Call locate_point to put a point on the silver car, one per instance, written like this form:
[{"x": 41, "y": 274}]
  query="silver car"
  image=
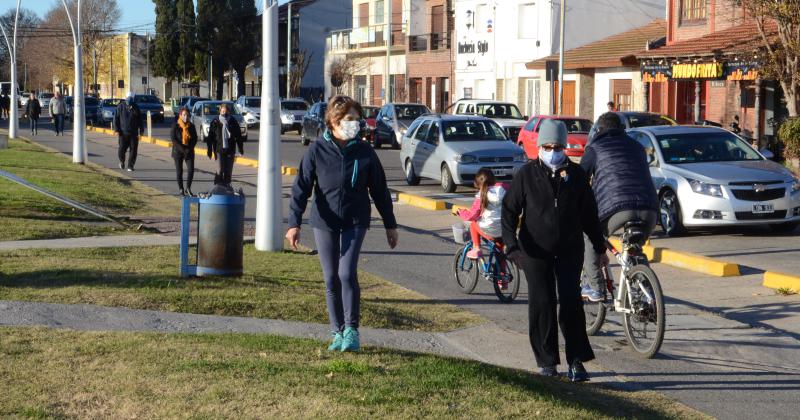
[
  {"x": 292, "y": 112},
  {"x": 708, "y": 176},
  {"x": 206, "y": 111},
  {"x": 250, "y": 108},
  {"x": 452, "y": 148}
]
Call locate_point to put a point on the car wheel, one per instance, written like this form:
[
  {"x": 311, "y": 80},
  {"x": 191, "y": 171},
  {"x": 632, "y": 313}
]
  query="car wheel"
[
  {"x": 376, "y": 140},
  {"x": 784, "y": 227},
  {"x": 283, "y": 131},
  {"x": 411, "y": 175},
  {"x": 395, "y": 144},
  {"x": 303, "y": 138},
  {"x": 448, "y": 185},
  {"x": 299, "y": 131},
  {"x": 670, "y": 215}
]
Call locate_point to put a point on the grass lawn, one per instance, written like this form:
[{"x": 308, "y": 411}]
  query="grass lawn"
[
  {"x": 61, "y": 373},
  {"x": 26, "y": 214},
  {"x": 285, "y": 286}
]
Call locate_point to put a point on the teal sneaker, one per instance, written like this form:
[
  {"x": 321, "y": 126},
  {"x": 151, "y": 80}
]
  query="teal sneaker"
[
  {"x": 350, "y": 340},
  {"x": 337, "y": 342}
]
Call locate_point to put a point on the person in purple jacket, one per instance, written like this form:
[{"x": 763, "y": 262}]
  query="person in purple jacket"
[{"x": 343, "y": 172}]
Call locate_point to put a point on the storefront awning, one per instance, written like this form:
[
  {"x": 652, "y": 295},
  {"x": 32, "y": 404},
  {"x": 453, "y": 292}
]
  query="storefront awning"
[
  {"x": 615, "y": 51},
  {"x": 734, "y": 40}
]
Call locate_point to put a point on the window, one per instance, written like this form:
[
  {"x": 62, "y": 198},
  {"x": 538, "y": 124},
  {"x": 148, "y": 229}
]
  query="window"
[
  {"x": 693, "y": 10},
  {"x": 379, "y": 11},
  {"x": 645, "y": 141},
  {"x": 531, "y": 124},
  {"x": 705, "y": 147},
  {"x": 422, "y": 132},
  {"x": 433, "y": 134},
  {"x": 526, "y": 21},
  {"x": 473, "y": 130}
]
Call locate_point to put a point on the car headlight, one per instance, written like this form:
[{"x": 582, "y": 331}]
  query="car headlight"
[
  {"x": 795, "y": 185},
  {"x": 522, "y": 157},
  {"x": 714, "y": 190},
  {"x": 466, "y": 159}
]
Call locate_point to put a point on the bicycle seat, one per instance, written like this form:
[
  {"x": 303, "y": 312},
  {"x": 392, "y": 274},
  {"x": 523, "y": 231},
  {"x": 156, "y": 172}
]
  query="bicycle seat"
[{"x": 634, "y": 232}]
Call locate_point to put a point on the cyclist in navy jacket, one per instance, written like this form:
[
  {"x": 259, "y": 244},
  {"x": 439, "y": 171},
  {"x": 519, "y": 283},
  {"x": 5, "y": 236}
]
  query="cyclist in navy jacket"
[{"x": 343, "y": 173}]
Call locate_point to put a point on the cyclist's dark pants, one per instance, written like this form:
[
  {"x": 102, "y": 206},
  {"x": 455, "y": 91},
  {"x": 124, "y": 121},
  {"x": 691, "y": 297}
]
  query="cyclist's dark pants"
[
  {"x": 550, "y": 281},
  {"x": 591, "y": 272}
]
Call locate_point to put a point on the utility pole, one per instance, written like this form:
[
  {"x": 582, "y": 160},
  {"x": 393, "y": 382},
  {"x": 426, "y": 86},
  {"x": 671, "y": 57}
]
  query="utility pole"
[
  {"x": 289, "y": 50},
  {"x": 386, "y": 73},
  {"x": 269, "y": 207},
  {"x": 111, "y": 81},
  {"x": 13, "y": 123},
  {"x": 210, "y": 70},
  {"x": 561, "y": 57},
  {"x": 79, "y": 154},
  {"x": 147, "y": 47},
  {"x": 94, "y": 60}
]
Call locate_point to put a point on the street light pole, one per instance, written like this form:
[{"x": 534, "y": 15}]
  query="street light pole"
[
  {"x": 79, "y": 154},
  {"x": 289, "y": 51},
  {"x": 12, "y": 52},
  {"x": 269, "y": 208},
  {"x": 387, "y": 71},
  {"x": 561, "y": 57}
]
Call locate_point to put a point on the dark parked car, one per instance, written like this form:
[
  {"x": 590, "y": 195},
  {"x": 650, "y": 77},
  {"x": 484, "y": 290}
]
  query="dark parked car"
[
  {"x": 313, "y": 123},
  {"x": 92, "y": 106},
  {"x": 393, "y": 120},
  {"x": 636, "y": 120},
  {"x": 150, "y": 103}
]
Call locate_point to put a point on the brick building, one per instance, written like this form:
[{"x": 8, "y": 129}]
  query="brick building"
[{"x": 429, "y": 58}]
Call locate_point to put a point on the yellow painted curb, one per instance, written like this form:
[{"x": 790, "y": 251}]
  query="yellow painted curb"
[
  {"x": 421, "y": 202},
  {"x": 696, "y": 263},
  {"x": 288, "y": 170},
  {"x": 247, "y": 162},
  {"x": 775, "y": 280}
]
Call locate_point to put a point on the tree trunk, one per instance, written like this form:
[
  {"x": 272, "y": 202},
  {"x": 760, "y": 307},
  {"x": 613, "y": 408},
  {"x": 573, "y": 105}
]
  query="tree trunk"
[
  {"x": 241, "y": 85},
  {"x": 220, "y": 83}
]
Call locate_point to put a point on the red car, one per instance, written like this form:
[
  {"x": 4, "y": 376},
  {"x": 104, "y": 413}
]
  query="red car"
[
  {"x": 577, "y": 135},
  {"x": 369, "y": 117}
]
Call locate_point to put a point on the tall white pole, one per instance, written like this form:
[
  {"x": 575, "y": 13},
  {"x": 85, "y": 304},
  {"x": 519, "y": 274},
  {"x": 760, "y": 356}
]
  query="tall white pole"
[
  {"x": 269, "y": 207},
  {"x": 387, "y": 87},
  {"x": 561, "y": 57},
  {"x": 13, "y": 124},
  {"x": 289, "y": 51},
  {"x": 79, "y": 154}
]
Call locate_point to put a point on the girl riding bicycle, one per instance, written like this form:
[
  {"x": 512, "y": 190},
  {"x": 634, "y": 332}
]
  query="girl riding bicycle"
[{"x": 484, "y": 215}]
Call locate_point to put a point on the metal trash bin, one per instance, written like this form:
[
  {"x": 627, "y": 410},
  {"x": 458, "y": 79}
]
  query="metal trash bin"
[{"x": 220, "y": 233}]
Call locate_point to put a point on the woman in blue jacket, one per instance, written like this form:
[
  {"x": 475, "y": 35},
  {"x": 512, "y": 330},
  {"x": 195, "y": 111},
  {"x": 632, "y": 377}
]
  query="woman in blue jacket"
[{"x": 343, "y": 173}]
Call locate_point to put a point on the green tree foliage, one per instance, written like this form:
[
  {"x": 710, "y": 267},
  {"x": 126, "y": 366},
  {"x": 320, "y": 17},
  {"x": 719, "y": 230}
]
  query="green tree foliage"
[
  {"x": 187, "y": 38},
  {"x": 165, "y": 48}
]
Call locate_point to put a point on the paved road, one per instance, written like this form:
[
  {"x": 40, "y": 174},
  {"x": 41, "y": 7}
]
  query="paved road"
[{"x": 731, "y": 347}]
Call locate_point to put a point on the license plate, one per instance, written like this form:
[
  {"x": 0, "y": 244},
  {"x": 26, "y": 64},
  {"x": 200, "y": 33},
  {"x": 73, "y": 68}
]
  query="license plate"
[
  {"x": 298, "y": 117},
  {"x": 763, "y": 208},
  {"x": 499, "y": 172}
]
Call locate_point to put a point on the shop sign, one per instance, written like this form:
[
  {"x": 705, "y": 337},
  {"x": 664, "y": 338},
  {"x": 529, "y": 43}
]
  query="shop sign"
[
  {"x": 695, "y": 71},
  {"x": 656, "y": 72},
  {"x": 741, "y": 70}
]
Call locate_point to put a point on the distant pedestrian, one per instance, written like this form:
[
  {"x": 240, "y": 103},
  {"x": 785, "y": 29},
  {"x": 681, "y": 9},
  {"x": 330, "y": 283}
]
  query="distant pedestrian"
[
  {"x": 33, "y": 110},
  {"x": 57, "y": 111},
  {"x": 224, "y": 137},
  {"x": 611, "y": 106},
  {"x": 343, "y": 173},
  {"x": 184, "y": 139},
  {"x": 5, "y": 102},
  {"x": 128, "y": 124}
]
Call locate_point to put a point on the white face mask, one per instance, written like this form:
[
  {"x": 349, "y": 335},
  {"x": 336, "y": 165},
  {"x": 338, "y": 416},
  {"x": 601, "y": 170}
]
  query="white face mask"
[
  {"x": 350, "y": 129},
  {"x": 553, "y": 159}
]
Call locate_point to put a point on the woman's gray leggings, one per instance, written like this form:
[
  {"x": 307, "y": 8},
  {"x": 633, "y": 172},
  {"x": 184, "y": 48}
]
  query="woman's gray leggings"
[{"x": 338, "y": 253}]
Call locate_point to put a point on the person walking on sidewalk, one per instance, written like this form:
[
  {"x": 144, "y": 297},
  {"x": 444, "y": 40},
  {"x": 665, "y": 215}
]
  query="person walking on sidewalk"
[
  {"x": 343, "y": 173},
  {"x": 555, "y": 201},
  {"x": 224, "y": 137},
  {"x": 57, "y": 111},
  {"x": 184, "y": 139},
  {"x": 33, "y": 110},
  {"x": 128, "y": 124},
  {"x": 5, "y": 103}
]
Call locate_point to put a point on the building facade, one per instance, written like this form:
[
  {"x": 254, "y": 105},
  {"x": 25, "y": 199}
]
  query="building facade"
[{"x": 429, "y": 56}]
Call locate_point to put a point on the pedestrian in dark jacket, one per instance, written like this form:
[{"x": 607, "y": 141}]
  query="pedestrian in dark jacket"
[
  {"x": 5, "y": 103},
  {"x": 128, "y": 125},
  {"x": 623, "y": 189},
  {"x": 58, "y": 109},
  {"x": 184, "y": 139},
  {"x": 343, "y": 173},
  {"x": 224, "y": 137},
  {"x": 553, "y": 197},
  {"x": 33, "y": 110}
]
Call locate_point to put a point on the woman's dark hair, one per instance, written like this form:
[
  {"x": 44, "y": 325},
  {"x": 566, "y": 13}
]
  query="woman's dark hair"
[
  {"x": 483, "y": 180},
  {"x": 338, "y": 107}
]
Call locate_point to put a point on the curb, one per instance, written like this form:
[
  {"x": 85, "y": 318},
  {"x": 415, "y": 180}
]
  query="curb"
[
  {"x": 421, "y": 202},
  {"x": 776, "y": 280},
  {"x": 687, "y": 261}
]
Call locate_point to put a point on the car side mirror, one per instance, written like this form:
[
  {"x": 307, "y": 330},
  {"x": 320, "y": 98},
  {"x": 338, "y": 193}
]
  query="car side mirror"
[{"x": 767, "y": 154}]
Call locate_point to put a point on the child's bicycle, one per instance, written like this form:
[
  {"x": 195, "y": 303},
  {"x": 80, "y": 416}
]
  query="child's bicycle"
[{"x": 492, "y": 266}]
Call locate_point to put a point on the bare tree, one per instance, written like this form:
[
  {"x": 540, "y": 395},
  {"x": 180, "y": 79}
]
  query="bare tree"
[
  {"x": 342, "y": 70},
  {"x": 299, "y": 68},
  {"x": 778, "y": 23}
]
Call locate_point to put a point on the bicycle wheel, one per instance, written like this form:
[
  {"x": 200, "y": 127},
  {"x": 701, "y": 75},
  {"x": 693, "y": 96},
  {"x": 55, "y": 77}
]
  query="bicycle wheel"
[
  {"x": 506, "y": 286},
  {"x": 465, "y": 271},
  {"x": 644, "y": 327},
  {"x": 595, "y": 313}
]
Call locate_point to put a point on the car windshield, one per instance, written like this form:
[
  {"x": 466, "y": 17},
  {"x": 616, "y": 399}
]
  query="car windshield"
[
  {"x": 472, "y": 131},
  {"x": 252, "y": 102},
  {"x": 46, "y": 95},
  {"x": 499, "y": 111},
  {"x": 370, "y": 112},
  {"x": 213, "y": 108},
  {"x": 111, "y": 102},
  {"x": 577, "y": 125},
  {"x": 410, "y": 112},
  {"x": 292, "y": 106},
  {"x": 647, "y": 120},
  {"x": 146, "y": 99},
  {"x": 185, "y": 100},
  {"x": 705, "y": 147}
]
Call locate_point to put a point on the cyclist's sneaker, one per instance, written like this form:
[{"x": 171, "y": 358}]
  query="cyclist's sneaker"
[
  {"x": 591, "y": 294},
  {"x": 577, "y": 373},
  {"x": 350, "y": 341},
  {"x": 548, "y": 371},
  {"x": 337, "y": 341},
  {"x": 474, "y": 253}
]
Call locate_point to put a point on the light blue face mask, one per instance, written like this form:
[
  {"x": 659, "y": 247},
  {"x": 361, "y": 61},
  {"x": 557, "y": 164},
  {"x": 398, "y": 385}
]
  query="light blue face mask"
[{"x": 553, "y": 159}]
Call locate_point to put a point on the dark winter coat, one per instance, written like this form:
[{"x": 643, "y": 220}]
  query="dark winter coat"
[
  {"x": 214, "y": 139},
  {"x": 179, "y": 151},
  {"x": 342, "y": 180},
  {"x": 33, "y": 109},
  {"x": 556, "y": 210},
  {"x": 128, "y": 119},
  {"x": 617, "y": 165}
]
